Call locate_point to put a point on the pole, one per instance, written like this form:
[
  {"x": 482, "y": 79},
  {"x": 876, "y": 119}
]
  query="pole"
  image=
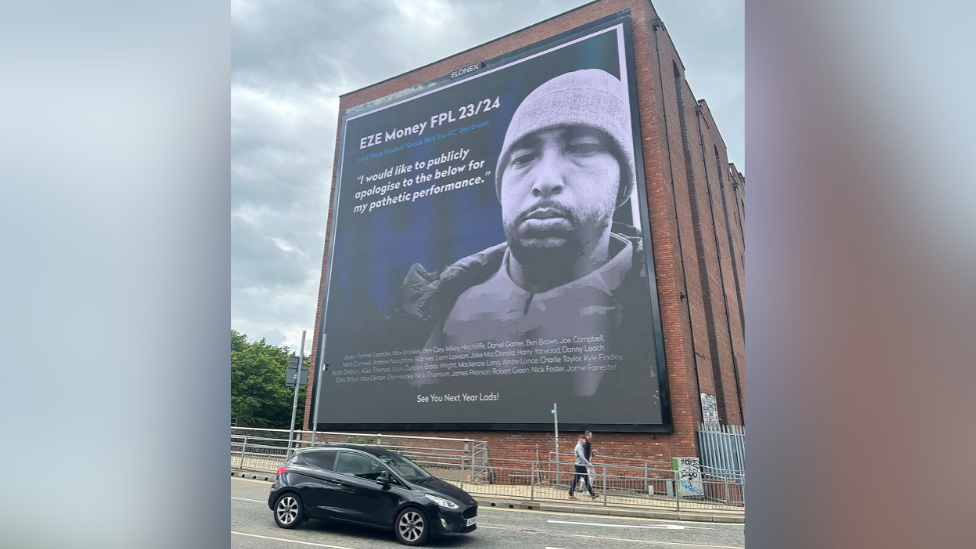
[
  {"x": 539, "y": 461},
  {"x": 555, "y": 418},
  {"x": 645, "y": 478},
  {"x": 532, "y": 483},
  {"x": 604, "y": 485},
  {"x": 243, "y": 449},
  {"x": 317, "y": 393},
  {"x": 677, "y": 490},
  {"x": 294, "y": 403}
]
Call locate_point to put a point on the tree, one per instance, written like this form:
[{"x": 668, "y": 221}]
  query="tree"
[{"x": 258, "y": 395}]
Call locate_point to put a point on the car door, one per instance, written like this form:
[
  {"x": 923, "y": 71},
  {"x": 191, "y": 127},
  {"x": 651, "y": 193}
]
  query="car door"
[
  {"x": 359, "y": 496},
  {"x": 318, "y": 492}
]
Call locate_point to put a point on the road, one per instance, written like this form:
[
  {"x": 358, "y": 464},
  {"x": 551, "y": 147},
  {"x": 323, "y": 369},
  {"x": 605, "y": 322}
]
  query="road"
[{"x": 253, "y": 527}]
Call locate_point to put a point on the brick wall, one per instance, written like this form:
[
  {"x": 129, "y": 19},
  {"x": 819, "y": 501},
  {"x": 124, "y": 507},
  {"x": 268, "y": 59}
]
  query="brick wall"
[
  {"x": 736, "y": 209},
  {"x": 691, "y": 279}
]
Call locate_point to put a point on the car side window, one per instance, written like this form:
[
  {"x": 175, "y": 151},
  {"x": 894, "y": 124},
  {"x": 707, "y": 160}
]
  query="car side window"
[
  {"x": 358, "y": 465},
  {"x": 323, "y": 459}
]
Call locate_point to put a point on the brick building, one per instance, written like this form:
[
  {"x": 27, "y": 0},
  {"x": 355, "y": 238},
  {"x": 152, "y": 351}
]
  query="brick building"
[{"x": 696, "y": 207}]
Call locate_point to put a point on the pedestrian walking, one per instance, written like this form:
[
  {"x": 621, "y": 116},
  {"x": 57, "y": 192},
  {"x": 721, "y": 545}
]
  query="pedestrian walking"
[
  {"x": 591, "y": 470},
  {"x": 588, "y": 453},
  {"x": 581, "y": 465}
]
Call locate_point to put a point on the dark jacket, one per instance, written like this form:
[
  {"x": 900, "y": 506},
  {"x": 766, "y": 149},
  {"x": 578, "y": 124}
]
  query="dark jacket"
[{"x": 426, "y": 298}]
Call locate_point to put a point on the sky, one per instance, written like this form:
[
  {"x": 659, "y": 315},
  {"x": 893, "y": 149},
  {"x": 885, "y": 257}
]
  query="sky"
[{"x": 290, "y": 61}]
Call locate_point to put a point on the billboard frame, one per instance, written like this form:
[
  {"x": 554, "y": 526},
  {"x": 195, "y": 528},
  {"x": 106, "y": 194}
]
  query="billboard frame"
[{"x": 622, "y": 18}]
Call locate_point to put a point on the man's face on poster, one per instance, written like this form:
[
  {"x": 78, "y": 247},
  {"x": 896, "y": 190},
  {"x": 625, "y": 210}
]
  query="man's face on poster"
[{"x": 558, "y": 192}]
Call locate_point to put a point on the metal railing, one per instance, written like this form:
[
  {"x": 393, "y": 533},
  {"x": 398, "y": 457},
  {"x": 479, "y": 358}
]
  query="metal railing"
[
  {"x": 618, "y": 460},
  {"x": 723, "y": 447},
  {"x": 614, "y": 484},
  {"x": 661, "y": 463},
  {"x": 723, "y": 453},
  {"x": 466, "y": 464},
  {"x": 266, "y": 449}
]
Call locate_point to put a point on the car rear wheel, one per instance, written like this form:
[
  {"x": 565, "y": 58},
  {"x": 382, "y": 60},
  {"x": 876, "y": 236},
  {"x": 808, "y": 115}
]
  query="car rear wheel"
[
  {"x": 289, "y": 511},
  {"x": 412, "y": 527}
]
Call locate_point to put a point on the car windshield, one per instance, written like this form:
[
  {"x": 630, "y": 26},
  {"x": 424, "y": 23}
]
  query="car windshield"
[{"x": 404, "y": 467}]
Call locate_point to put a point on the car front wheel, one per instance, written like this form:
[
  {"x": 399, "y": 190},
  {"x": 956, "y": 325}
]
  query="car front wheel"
[
  {"x": 288, "y": 511},
  {"x": 412, "y": 527}
]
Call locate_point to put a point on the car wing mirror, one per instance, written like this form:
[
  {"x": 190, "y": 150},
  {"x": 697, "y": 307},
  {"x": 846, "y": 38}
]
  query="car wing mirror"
[{"x": 384, "y": 478}]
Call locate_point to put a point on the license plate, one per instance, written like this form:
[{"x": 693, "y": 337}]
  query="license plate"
[{"x": 471, "y": 521}]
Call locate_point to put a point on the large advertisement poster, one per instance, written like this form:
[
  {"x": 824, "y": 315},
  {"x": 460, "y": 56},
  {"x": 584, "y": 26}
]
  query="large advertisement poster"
[{"x": 490, "y": 252}]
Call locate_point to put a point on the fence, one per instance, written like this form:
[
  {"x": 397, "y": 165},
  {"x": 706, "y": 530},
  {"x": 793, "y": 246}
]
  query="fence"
[
  {"x": 634, "y": 485},
  {"x": 466, "y": 464},
  {"x": 661, "y": 462},
  {"x": 723, "y": 447},
  {"x": 723, "y": 453},
  {"x": 266, "y": 449}
]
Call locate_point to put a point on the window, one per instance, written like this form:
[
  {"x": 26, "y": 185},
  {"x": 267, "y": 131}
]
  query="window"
[
  {"x": 358, "y": 465},
  {"x": 323, "y": 459},
  {"x": 406, "y": 468}
]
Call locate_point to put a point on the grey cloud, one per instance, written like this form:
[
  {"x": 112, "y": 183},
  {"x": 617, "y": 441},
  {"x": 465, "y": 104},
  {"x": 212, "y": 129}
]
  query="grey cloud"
[
  {"x": 342, "y": 45},
  {"x": 710, "y": 38},
  {"x": 274, "y": 337},
  {"x": 257, "y": 261},
  {"x": 303, "y": 44}
]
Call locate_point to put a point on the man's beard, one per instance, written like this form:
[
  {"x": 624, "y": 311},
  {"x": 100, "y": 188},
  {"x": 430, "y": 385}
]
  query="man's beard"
[{"x": 546, "y": 252}]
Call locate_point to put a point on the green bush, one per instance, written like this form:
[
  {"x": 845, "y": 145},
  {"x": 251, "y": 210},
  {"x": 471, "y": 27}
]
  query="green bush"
[{"x": 360, "y": 440}]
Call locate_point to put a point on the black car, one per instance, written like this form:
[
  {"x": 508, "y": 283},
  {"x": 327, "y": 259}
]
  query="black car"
[{"x": 370, "y": 486}]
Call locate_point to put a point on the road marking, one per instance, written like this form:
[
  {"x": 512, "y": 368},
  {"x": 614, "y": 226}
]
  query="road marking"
[
  {"x": 245, "y": 499},
  {"x": 658, "y": 542},
  {"x": 291, "y": 541},
  {"x": 601, "y": 517},
  {"x": 661, "y": 527},
  {"x": 556, "y": 533}
]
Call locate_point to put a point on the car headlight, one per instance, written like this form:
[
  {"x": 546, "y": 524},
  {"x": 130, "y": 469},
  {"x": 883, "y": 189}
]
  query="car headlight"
[{"x": 445, "y": 503}]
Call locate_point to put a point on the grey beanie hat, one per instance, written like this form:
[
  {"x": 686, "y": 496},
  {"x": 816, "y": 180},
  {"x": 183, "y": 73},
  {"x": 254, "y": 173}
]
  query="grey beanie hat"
[{"x": 589, "y": 97}]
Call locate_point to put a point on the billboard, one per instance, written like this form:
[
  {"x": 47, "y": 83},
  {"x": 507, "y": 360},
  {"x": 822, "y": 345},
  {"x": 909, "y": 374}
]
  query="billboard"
[{"x": 490, "y": 251}]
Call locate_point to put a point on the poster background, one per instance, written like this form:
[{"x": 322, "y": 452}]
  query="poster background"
[{"x": 371, "y": 252}]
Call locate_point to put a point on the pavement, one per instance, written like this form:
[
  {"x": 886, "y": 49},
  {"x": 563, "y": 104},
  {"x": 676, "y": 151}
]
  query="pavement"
[
  {"x": 253, "y": 527},
  {"x": 515, "y": 499}
]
